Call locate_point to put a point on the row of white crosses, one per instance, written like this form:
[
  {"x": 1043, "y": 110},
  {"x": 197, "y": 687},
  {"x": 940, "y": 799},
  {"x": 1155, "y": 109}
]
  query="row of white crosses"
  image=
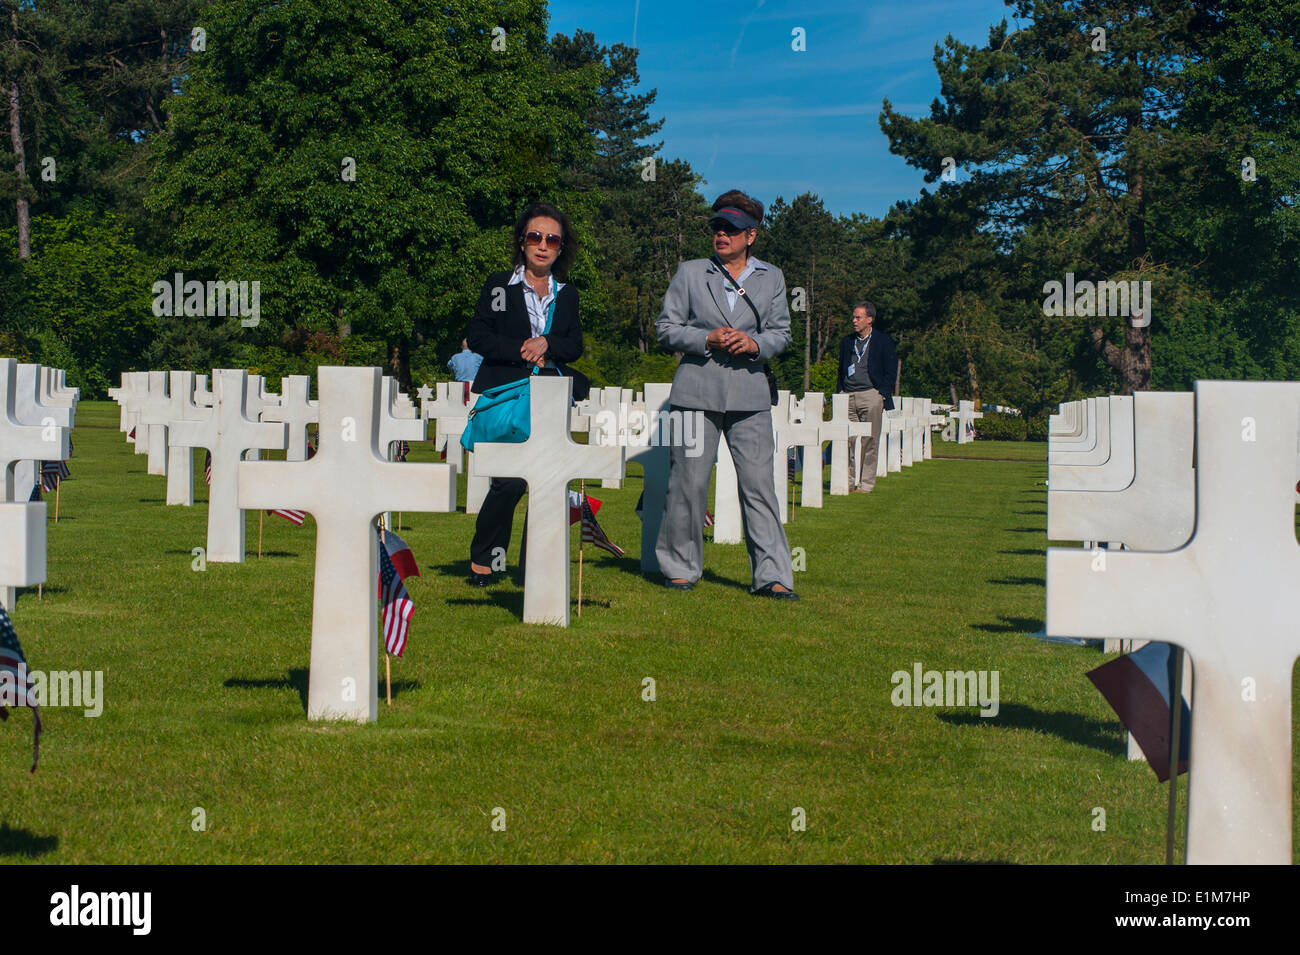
[
  {"x": 1095, "y": 458},
  {"x": 36, "y": 412},
  {"x": 1211, "y": 564}
]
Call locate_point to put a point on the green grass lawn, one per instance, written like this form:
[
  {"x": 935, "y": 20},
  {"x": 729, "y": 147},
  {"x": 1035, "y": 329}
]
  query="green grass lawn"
[{"x": 762, "y": 706}]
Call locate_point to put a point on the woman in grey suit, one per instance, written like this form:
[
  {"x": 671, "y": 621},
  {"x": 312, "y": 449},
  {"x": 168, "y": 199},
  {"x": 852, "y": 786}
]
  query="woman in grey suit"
[{"x": 728, "y": 317}]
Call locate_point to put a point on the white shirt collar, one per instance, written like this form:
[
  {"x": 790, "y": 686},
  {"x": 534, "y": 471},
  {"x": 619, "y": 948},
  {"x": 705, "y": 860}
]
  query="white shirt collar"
[{"x": 517, "y": 276}]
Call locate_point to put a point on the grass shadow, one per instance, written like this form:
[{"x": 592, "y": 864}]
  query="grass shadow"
[
  {"x": 24, "y": 842},
  {"x": 1102, "y": 735},
  {"x": 294, "y": 680},
  {"x": 1018, "y": 581},
  {"x": 275, "y": 553},
  {"x": 1027, "y": 551},
  {"x": 1011, "y": 625},
  {"x": 46, "y": 589}
]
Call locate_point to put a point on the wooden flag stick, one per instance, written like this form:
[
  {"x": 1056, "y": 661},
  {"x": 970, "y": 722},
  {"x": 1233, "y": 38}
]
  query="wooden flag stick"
[
  {"x": 56, "y": 501},
  {"x": 388, "y": 676},
  {"x": 39, "y": 591},
  {"x": 260, "y": 514},
  {"x": 399, "y": 520},
  {"x": 581, "y": 505},
  {"x": 1176, "y": 703}
]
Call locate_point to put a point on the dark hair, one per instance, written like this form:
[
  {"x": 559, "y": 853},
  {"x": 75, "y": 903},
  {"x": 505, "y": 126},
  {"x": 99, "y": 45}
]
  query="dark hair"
[
  {"x": 567, "y": 252},
  {"x": 871, "y": 309},
  {"x": 746, "y": 204}
]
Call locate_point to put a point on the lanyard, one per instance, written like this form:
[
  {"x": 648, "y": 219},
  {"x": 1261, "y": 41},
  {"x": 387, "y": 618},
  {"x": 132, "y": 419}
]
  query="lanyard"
[{"x": 858, "y": 353}]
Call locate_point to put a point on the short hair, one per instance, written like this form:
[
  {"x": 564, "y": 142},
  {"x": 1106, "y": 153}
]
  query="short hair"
[
  {"x": 568, "y": 251},
  {"x": 871, "y": 309},
  {"x": 737, "y": 199}
]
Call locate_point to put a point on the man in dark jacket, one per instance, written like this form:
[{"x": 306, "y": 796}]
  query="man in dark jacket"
[{"x": 868, "y": 367}]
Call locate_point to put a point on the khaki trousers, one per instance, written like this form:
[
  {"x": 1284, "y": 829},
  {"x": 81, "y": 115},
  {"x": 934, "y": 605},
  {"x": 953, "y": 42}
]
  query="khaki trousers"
[{"x": 865, "y": 406}]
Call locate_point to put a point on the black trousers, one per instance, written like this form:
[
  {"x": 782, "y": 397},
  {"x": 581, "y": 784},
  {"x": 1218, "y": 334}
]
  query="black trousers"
[{"x": 496, "y": 520}]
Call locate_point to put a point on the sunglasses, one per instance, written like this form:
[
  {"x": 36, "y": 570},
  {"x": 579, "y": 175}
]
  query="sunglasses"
[
  {"x": 551, "y": 240},
  {"x": 714, "y": 229}
]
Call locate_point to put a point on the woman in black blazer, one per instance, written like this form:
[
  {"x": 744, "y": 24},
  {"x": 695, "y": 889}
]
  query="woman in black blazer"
[{"x": 509, "y": 330}]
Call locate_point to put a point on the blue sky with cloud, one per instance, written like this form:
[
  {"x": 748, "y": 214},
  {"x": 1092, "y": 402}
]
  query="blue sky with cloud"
[{"x": 748, "y": 111}]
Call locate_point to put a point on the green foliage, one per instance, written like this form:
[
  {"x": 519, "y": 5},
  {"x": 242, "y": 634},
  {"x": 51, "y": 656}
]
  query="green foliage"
[
  {"x": 255, "y": 168},
  {"x": 82, "y": 301}
]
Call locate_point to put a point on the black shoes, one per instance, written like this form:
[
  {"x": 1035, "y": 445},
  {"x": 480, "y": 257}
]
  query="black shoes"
[
  {"x": 768, "y": 590},
  {"x": 479, "y": 580}
]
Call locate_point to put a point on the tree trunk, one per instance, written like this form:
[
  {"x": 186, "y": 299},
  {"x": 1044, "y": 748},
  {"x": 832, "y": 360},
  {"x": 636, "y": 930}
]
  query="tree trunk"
[
  {"x": 24, "y": 215},
  {"x": 807, "y": 328}
]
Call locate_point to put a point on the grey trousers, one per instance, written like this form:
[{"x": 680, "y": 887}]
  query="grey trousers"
[
  {"x": 866, "y": 405},
  {"x": 680, "y": 547}
]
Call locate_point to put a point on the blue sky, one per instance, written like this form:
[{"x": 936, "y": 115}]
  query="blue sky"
[{"x": 749, "y": 112}]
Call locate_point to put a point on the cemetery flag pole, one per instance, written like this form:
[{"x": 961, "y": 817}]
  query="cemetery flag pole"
[
  {"x": 582, "y": 503},
  {"x": 1176, "y": 710}
]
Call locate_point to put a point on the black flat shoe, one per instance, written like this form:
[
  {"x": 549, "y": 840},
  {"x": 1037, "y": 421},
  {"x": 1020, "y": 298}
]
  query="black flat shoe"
[
  {"x": 479, "y": 580},
  {"x": 684, "y": 585},
  {"x": 767, "y": 590}
]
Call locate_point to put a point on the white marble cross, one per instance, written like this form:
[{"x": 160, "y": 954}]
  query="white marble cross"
[
  {"x": 1157, "y": 509},
  {"x": 54, "y": 389},
  {"x": 809, "y": 413},
  {"x": 175, "y": 403},
  {"x": 297, "y": 410},
  {"x": 22, "y": 524},
  {"x": 227, "y": 431},
  {"x": 728, "y": 525},
  {"x": 1086, "y": 439},
  {"x": 344, "y": 487},
  {"x": 1229, "y": 597},
  {"x": 1094, "y": 449},
  {"x": 30, "y": 408},
  {"x": 965, "y": 416},
  {"x": 617, "y": 401},
  {"x": 399, "y": 421},
  {"x": 1110, "y": 466},
  {"x": 548, "y": 461},
  {"x": 1068, "y": 423},
  {"x": 655, "y": 458},
  {"x": 787, "y": 433},
  {"x": 853, "y": 432}
]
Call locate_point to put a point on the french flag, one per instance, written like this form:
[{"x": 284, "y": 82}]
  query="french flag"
[
  {"x": 575, "y": 507},
  {"x": 399, "y": 552},
  {"x": 1138, "y": 686}
]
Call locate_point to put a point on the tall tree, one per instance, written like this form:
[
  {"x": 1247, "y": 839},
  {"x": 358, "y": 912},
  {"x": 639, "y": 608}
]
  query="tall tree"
[
  {"x": 1068, "y": 125},
  {"x": 365, "y": 162}
]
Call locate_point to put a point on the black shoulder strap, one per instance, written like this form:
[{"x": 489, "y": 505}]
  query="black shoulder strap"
[{"x": 740, "y": 289}]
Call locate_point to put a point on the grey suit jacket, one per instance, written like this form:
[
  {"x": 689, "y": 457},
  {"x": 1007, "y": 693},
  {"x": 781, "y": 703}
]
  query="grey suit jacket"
[{"x": 694, "y": 305}]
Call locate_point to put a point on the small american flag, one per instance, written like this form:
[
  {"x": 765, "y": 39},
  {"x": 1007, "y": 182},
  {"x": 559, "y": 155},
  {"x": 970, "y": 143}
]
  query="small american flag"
[
  {"x": 398, "y": 450},
  {"x": 53, "y": 472},
  {"x": 131, "y": 435},
  {"x": 311, "y": 449},
  {"x": 207, "y": 466},
  {"x": 397, "y": 604},
  {"x": 289, "y": 514},
  {"x": 592, "y": 534},
  {"x": 15, "y": 682}
]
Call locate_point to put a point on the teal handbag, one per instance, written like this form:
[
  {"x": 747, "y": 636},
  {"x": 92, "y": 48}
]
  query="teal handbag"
[{"x": 503, "y": 415}]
